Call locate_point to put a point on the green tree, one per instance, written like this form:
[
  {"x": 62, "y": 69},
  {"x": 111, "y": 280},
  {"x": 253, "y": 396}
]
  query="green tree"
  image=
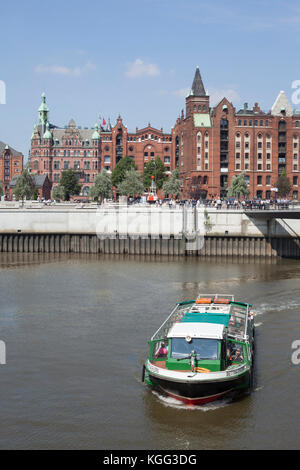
[
  {"x": 1, "y": 189},
  {"x": 118, "y": 174},
  {"x": 25, "y": 185},
  {"x": 283, "y": 184},
  {"x": 58, "y": 192},
  {"x": 70, "y": 183},
  {"x": 154, "y": 168},
  {"x": 172, "y": 185},
  {"x": 131, "y": 184},
  {"x": 102, "y": 186},
  {"x": 239, "y": 186}
]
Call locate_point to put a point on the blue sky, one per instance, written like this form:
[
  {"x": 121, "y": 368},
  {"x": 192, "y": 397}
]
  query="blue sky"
[{"x": 138, "y": 58}]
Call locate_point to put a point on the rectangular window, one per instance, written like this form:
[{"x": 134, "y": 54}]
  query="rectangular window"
[
  {"x": 268, "y": 180},
  {"x": 259, "y": 179},
  {"x": 295, "y": 180}
]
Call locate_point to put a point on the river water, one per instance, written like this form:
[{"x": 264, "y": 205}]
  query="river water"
[{"x": 76, "y": 331}]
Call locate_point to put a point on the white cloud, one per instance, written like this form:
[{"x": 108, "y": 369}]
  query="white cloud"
[
  {"x": 138, "y": 68},
  {"x": 63, "y": 70}
]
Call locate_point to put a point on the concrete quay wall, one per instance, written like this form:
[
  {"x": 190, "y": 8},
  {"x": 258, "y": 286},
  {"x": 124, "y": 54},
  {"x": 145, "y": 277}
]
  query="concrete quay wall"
[{"x": 145, "y": 231}]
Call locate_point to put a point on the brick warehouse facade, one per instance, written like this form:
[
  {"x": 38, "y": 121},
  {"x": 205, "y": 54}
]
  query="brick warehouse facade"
[
  {"x": 11, "y": 165},
  {"x": 88, "y": 151},
  {"x": 209, "y": 145}
]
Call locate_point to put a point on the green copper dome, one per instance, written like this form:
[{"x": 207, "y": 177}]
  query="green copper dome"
[
  {"x": 47, "y": 134},
  {"x": 43, "y": 106},
  {"x": 96, "y": 134}
]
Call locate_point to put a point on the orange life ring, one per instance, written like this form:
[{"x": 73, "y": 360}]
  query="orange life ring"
[
  {"x": 203, "y": 301},
  {"x": 221, "y": 301},
  {"x": 201, "y": 369}
]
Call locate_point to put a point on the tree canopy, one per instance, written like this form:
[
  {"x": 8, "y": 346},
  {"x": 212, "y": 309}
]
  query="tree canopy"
[
  {"x": 131, "y": 184},
  {"x": 283, "y": 184},
  {"x": 102, "y": 186},
  {"x": 118, "y": 174},
  {"x": 239, "y": 186},
  {"x": 24, "y": 186},
  {"x": 154, "y": 168},
  {"x": 58, "y": 192},
  {"x": 1, "y": 189},
  {"x": 69, "y": 181},
  {"x": 172, "y": 185}
]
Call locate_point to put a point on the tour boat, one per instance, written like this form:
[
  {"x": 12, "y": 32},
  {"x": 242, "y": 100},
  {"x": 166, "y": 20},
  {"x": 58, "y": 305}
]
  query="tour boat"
[{"x": 203, "y": 351}]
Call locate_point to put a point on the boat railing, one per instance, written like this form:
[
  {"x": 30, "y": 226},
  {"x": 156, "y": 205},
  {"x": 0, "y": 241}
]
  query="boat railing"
[{"x": 175, "y": 316}]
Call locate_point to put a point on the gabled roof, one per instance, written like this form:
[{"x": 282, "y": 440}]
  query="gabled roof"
[
  {"x": 39, "y": 180},
  {"x": 281, "y": 104},
  {"x": 3, "y": 146}
]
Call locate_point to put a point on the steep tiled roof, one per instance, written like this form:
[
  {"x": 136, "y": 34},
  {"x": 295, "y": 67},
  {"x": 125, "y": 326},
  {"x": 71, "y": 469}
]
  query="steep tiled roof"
[
  {"x": 2, "y": 148},
  {"x": 198, "y": 87}
]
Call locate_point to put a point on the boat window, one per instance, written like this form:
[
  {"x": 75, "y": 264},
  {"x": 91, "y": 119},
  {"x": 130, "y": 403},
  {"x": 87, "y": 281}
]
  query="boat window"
[
  {"x": 237, "y": 322},
  {"x": 235, "y": 352},
  {"x": 160, "y": 349},
  {"x": 204, "y": 348}
]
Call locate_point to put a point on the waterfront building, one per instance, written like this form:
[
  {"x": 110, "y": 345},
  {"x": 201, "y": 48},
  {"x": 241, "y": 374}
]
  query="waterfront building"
[
  {"x": 41, "y": 183},
  {"x": 11, "y": 164},
  {"x": 209, "y": 144},
  {"x": 89, "y": 150},
  {"x": 214, "y": 144}
]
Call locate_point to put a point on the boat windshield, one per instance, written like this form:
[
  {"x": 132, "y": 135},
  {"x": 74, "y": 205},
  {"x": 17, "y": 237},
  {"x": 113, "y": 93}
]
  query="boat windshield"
[{"x": 203, "y": 347}]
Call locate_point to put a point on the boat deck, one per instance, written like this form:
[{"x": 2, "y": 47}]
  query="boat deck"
[{"x": 210, "y": 309}]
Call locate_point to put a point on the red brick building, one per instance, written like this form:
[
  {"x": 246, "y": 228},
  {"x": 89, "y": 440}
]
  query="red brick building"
[
  {"x": 89, "y": 150},
  {"x": 11, "y": 164},
  {"x": 210, "y": 145}
]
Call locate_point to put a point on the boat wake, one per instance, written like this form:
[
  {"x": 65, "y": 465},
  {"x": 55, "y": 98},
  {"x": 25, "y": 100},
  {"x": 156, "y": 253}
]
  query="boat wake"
[
  {"x": 278, "y": 307},
  {"x": 173, "y": 403}
]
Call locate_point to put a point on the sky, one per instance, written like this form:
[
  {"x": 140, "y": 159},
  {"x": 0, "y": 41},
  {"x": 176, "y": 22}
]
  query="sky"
[{"x": 137, "y": 58}]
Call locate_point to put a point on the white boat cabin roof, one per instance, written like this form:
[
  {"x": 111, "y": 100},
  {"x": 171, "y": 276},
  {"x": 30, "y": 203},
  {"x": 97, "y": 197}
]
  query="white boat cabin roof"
[{"x": 197, "y": 330}]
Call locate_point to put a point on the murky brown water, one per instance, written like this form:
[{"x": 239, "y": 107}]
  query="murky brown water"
[{"x": 76, "y": 331}]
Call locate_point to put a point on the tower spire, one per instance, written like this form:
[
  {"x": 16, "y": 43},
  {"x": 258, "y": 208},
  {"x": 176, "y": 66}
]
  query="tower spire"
[
  {"x": 43, "y": 113},
  {"x": 197, "y": 86}
]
